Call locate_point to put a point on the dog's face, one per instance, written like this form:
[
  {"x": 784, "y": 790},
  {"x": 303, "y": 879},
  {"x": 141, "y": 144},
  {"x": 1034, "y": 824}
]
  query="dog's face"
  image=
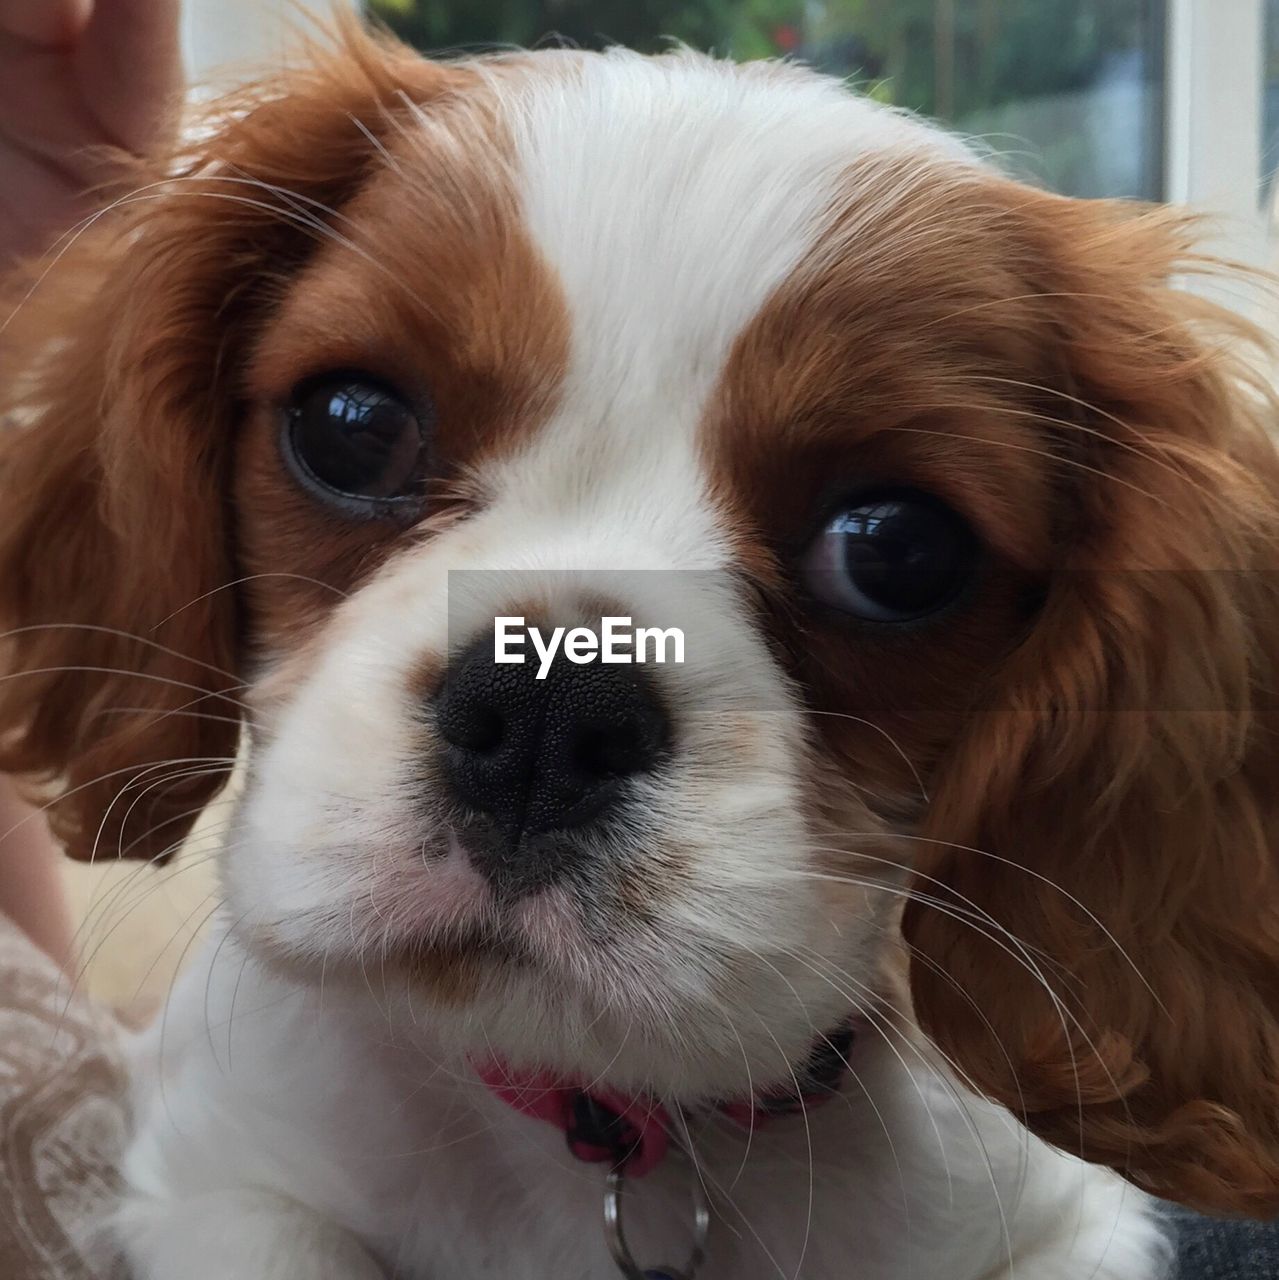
[
  {"x": 604, "y": 349},
  {"x": 965, "y": 528}
]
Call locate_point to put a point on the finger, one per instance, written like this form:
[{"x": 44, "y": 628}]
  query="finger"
[
  {"x": 130, "y": 70},
  {"x": 48, "y": 23}
]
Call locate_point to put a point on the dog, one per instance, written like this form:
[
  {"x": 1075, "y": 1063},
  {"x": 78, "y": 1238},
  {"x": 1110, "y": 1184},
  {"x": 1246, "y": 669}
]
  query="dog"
[{"x": 921, "y": 921}]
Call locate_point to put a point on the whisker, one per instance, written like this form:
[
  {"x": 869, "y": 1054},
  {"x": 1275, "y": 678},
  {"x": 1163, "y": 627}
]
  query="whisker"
[
  {"x": 138, "y": 775},
  {"x": 1014, "y": 948},
  {"x": 149, "y": 676},
  {"x": 172, "y": 711},
  {"x": 131, "y": 636},
  {"x": 1038, "y": 876},
  {"x": 86, "y": 962},
  {"x": 41, "y": 810},
  {"x": 123, "y": 850},
  {"x": 1018, "y": 951},
  {"x": 195, "y": 933},
  {"x": 161, "y": 189},
  {"x": 888, "y": 737},
  {"x": 253, "y": 577},
  {"x": 1046, "y": 454},
  {"x": 887, "y": 1030}
]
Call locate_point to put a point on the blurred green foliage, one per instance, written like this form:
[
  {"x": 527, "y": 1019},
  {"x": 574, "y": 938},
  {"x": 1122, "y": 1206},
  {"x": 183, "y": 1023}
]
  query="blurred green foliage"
[
  {"x": 967, "y": 61},
  {"x": 743, "y": 28},
  {"x": 997, "y": 50},
  {"x": 990, "y": 51}
]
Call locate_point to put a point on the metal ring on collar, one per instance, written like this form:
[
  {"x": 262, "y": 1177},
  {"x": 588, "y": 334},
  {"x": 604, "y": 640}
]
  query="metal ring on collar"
[{"x": 616, "y": 1237}]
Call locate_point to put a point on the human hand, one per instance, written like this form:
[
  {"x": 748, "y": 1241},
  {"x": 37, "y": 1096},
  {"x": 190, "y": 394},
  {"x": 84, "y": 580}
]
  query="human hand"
[{"x": 76, "y": 76}]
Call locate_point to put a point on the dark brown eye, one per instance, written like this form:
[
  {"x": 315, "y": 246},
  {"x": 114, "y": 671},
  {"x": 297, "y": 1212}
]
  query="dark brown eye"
[
  {"x": 354, "y": 442},
  {"x": 894, "y": 557}
]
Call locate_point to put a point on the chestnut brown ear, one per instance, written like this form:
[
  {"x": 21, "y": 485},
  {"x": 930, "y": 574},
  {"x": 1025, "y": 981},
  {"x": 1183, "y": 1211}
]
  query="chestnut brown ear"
[
  {"x": 119, "y": 661},
  {"x": 1104, "y": 959}
]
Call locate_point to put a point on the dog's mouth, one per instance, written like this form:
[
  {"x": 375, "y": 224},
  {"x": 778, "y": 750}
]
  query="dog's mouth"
[
  {"x": 453, "y": 963},
  {"x": 455, "y": 967},
  {"x": 464, "y": 919},
  {"x": 470, "y": 885},
  {"x": 443, "y": 924},
  {"x": 539, "y": 936}
]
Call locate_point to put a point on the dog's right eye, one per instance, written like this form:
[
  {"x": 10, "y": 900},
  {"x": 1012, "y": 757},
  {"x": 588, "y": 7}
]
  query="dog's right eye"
[{"x": 354, "y": 442}]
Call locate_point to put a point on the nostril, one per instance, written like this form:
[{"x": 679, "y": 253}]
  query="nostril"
[
  {"x": 615, "y": 750},
  {"x": 524, "y": 756},
  {"x": 473, "y": 726},
  {"x": 607, "y": 753}
]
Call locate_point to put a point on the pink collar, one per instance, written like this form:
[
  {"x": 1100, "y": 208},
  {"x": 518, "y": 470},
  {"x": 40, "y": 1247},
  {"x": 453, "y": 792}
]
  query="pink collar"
[{"x": 633, "y": 1133}]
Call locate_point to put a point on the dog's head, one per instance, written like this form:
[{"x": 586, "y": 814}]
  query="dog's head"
[{"x": 968, "y": 519}]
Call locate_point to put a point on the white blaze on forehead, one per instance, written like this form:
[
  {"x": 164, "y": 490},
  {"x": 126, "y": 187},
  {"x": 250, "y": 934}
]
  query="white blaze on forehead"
[{"x": 670, "y": 196}]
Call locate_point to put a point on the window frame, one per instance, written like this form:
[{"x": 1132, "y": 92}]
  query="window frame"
[{"x": 1213, "y": 126}]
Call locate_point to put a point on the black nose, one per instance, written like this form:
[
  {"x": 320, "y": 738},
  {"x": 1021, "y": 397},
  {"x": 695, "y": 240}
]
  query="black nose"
[{"x": 538, "y": 756}]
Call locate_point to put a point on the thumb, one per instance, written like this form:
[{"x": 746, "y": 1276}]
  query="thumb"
[{"x": 45, "y": 23}]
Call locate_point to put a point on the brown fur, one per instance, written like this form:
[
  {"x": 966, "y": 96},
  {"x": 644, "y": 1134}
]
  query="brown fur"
[
  {"x": 466, "y": 321},
  {"x": 120, "y": 395},
  {"x": 1096, "y": 728},
  {"x": 1126, "y": 759}
]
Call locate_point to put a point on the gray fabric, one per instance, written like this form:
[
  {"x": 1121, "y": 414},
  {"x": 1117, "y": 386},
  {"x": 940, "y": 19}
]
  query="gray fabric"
[
  {"x": 63, "y": 1119},
  {"x": 1212, "y": 1249}
]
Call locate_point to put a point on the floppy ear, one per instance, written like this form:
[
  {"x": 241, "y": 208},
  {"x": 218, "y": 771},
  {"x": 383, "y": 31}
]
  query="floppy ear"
[
  {"x": 1105, "y": 841},
  {"x": 119, "y": 662}
]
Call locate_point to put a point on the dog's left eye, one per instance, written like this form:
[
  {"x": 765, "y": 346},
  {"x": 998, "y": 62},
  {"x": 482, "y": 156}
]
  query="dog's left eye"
[
  {"x": 894, "y": 557},
  {"x": 356, "y": 443}
]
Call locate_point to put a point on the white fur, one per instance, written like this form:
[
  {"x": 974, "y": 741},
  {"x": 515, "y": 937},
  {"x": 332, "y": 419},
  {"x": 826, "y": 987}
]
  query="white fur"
[
  {"x": 305, "y": 1128},
  {"x": 285, "y": 1114}
]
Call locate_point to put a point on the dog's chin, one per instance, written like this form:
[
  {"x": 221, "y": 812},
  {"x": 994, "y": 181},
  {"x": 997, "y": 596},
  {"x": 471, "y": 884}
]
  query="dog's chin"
[{"x": 538, "y": 995}]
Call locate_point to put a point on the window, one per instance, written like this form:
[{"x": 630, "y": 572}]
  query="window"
[
  {"x": 219, "y": 36},
  {"x": 1161, "y": 99},
  {"x": 1070, "y": 91}
]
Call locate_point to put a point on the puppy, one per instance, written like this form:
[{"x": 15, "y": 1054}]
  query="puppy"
[{"x": 935, "y": 879}]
